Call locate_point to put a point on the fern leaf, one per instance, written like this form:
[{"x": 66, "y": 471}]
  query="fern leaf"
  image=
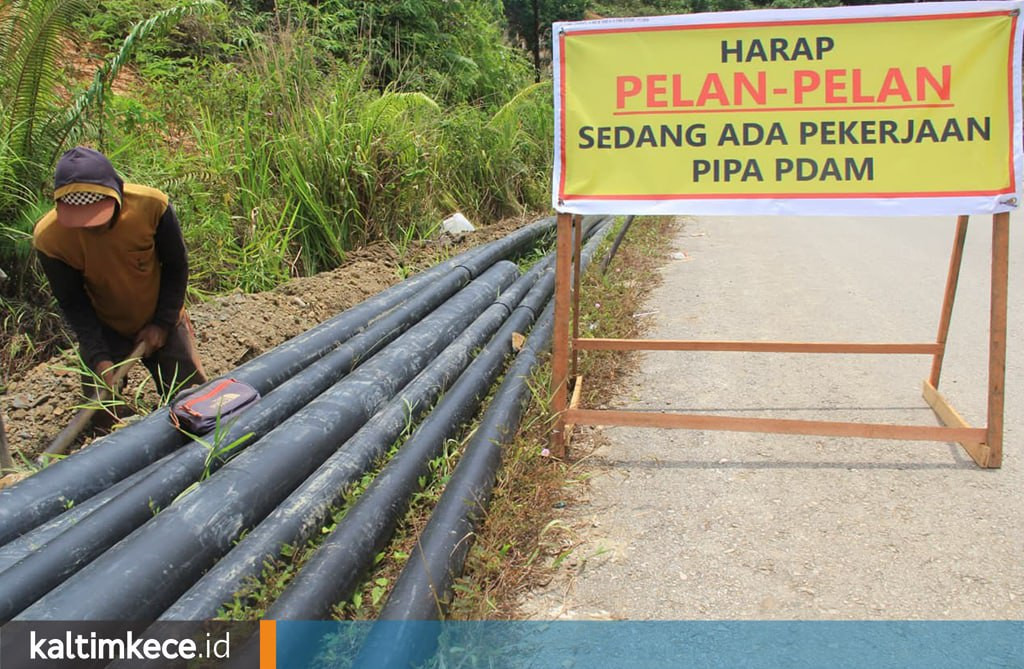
[{"x": 30, "y": 49}]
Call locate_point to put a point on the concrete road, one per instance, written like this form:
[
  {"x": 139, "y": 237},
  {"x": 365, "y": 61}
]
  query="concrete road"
[{"x": 682, "y": 524}]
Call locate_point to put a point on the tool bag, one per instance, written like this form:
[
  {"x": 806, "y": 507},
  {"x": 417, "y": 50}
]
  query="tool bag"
[{"x": 202, "y": 409}]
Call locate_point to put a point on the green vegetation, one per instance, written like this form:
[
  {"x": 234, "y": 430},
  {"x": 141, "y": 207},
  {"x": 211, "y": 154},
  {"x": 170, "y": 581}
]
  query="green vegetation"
[{"x": 286, "y": 133}]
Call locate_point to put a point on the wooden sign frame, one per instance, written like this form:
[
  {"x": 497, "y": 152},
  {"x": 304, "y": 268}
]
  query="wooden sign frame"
[{"x": 984, "y": 444}]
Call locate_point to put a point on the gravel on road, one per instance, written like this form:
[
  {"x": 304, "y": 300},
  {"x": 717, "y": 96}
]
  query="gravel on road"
[{"x": 689, "y": 524}]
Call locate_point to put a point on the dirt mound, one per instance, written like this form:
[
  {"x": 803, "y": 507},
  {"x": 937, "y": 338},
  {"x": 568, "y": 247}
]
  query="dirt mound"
[{"x": 231, "y": 329}]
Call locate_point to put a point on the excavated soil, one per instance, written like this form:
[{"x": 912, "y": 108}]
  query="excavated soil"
[{"x": 230, "y": 330}]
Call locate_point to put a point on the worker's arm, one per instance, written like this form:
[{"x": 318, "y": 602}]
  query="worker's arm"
[
  {"x": 68, "y": 287},
  {"x": 170, "y": 251}
]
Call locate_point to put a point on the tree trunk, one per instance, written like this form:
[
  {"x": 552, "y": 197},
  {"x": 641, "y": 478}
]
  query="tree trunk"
[{"x": 536, "y": 41}]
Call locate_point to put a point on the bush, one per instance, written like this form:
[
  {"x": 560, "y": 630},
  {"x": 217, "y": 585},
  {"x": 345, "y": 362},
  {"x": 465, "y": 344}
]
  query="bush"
[{"x": 303, "y": 163}]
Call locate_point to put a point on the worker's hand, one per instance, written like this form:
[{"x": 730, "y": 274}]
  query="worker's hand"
[
  {"x": 105, "y": 370},
  {"x": 153, "y": 336}
]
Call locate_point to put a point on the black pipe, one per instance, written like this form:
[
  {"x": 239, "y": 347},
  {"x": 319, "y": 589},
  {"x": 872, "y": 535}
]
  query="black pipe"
[
  {"x": 333, "y": 572},
  {"x": 26, "y": 544},
  {"x": 46, "y": 494},
  {"x": 51, "y": 564},
  {"x": 423, "y": 589},
  {"x": 143, "y": 574},
  {"x": 308, "y": 506},
  {"x": 615, "y": 244}
]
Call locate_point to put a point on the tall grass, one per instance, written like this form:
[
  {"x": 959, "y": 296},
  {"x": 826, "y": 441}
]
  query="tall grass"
[
  {"x": 310, "y": 164},
  {"x": 502, "y": 162}
]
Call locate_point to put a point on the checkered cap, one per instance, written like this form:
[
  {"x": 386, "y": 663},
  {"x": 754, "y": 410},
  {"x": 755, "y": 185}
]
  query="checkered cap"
[{"x": 79, "y": 199}]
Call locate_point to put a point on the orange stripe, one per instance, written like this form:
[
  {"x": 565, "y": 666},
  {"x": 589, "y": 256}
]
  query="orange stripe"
[
  {"x": 786, "y": 196},
  {"x": 1013, "y": 50},
  {"x": 562, "y": 89},
  {"x": 268, "y": 644},
  {"x": 213, "y": 391}
]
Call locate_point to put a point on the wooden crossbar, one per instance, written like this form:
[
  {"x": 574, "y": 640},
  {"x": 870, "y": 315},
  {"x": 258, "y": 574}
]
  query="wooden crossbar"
[
  {"x": 774, "y": 425},
  {"x": 594, "y": 344}
]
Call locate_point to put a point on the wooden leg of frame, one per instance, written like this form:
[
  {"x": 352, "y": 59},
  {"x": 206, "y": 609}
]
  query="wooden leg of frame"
[
  {"x": 577, "y": 251},
  {"x": 950, "y": 417},
  {"x": 955, "y": 261},
  {"x": 560, "y": 335},
  {"x": 997, "y": 336},
  {"x": 574, "y": 403}
]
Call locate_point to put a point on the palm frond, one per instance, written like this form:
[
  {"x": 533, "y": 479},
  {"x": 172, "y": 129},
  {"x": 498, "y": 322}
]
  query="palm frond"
[
  {"x": 524, "y": 98},
  {"x": 29, "y": 54}
]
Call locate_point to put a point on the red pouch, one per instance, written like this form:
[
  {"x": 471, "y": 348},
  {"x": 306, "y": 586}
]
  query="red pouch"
[{"x": 200, "y": 411}]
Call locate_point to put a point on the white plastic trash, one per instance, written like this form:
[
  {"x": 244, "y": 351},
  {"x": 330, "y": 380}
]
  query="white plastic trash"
[{"x": 457, "y": 224}]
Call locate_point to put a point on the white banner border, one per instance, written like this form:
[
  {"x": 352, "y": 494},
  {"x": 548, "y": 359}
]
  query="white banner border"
[{"x": 780, "y": 206}]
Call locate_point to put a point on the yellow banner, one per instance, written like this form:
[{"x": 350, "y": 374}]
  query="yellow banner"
[{"x": 842, "y": 105}]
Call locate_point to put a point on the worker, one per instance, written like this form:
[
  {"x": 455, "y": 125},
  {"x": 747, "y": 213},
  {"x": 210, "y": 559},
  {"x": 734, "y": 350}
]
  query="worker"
[{"x": 116, "y": 261}]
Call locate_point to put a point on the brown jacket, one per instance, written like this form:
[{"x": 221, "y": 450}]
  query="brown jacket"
[
  {"x": 122, "y": 276},
  {"x": 118, "y": 263}
]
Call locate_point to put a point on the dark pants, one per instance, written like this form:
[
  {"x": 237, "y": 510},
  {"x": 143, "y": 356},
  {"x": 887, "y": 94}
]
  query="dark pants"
[{"x": 173, "y": 367}]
